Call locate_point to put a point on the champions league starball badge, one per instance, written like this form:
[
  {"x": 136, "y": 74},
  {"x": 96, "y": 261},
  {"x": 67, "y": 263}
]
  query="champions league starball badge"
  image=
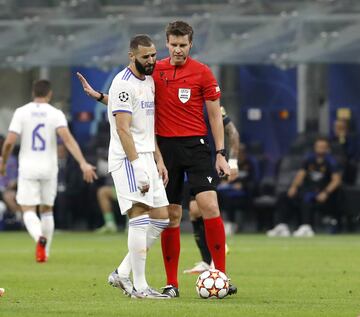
[{"x": 124, "y": 96}]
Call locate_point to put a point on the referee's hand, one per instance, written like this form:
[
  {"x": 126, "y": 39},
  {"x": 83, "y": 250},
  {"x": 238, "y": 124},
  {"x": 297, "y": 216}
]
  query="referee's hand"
[{"x": 163, "y": 173}]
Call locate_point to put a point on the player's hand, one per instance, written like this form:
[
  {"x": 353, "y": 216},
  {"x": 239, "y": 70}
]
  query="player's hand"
[
  {"x": 87, "y": 88},
  {"x": 222, "y": 166},
  {"x": 163, "y": 173},
  {"x": 234, "y": 174},
  {"x": 322, "y": 197},
  {"x": 89, "y": 174},
  {"x": 2, "y": 167},
  {"x": 292, "y": 192},
  {"x": 141, "y": 176}
]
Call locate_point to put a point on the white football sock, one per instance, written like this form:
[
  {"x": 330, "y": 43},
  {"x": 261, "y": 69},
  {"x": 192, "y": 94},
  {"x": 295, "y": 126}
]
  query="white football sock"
[
  {"x": 47, "y": 228},
  {"x": 153, "y": 231},
  {"x": 137, "y": 250},
  {"x": 32, "y": 224}
]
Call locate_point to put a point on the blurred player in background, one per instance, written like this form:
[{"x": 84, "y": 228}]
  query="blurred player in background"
[
  {"x": 37, "y": 124},
  {"x": 233, "y": 140}
]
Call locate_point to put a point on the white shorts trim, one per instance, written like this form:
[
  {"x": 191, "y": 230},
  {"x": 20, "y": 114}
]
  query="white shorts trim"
[
  {"x": 32, "y": 192},
  {"x": 126, "y": 189}
]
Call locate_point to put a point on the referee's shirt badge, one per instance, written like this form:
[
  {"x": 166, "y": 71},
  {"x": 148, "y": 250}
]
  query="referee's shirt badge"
[{"x": 184, "y": 94}]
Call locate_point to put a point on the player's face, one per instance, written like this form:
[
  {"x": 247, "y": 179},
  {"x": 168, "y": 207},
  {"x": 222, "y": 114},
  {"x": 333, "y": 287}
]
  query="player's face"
[
  {"x": 179, "y": 48},
  {"x": 145, "y": 59},
  {"x": 321, "y": 148}
]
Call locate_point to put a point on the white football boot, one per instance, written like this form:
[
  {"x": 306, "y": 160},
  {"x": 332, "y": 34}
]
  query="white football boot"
[
  {"x": 148, "y": 293},
  {"x": 304, "y": 231},
  {"x": 198, "y": 268},
  {"x": 124, "y": 283},
  {"x": 280, "y": 230}
]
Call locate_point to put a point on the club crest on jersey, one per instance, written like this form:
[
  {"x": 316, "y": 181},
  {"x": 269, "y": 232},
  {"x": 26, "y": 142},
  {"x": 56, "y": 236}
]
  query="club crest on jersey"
[
  {"x": 124, "y": 96},
  {"x": 184, "y": 94}
]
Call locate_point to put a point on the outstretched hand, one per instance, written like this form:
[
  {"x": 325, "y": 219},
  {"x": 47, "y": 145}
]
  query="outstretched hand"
[{"x": 87, "y": 88}]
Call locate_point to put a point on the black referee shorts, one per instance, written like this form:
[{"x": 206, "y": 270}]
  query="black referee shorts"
[{"x": 190, "y": 155}]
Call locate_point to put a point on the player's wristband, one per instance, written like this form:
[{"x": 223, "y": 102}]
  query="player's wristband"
[
  {"x": 101, "y": 96},
  {"x": 233, "y": 163}
]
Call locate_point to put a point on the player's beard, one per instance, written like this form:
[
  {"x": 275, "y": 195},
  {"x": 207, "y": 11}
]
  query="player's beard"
[{"x": 146, "y": 70}]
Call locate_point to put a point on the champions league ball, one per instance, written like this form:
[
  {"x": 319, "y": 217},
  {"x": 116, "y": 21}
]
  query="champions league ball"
[{"x": 212, "y": 284}]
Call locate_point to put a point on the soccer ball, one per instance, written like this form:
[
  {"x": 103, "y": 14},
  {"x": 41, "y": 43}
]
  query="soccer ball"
[{"x": 212, "y": 284}]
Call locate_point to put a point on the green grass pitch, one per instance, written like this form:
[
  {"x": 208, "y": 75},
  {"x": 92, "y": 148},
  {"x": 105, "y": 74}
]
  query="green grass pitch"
[{"x": 275, "y": 277}]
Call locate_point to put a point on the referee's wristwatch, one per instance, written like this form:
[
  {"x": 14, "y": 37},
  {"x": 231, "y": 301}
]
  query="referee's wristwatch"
[{"x": 221, "y": 152}]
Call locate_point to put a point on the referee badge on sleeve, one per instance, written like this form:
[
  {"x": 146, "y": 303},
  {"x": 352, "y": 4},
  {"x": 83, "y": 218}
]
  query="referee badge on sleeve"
[{"x": 184, "y": 94}]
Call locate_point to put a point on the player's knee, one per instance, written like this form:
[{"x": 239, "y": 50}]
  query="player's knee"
[
  {"x": 8, "y": 196},
  {"x": 210, "y": 210},
  {"x": 175, "y": 213},
  {"x": 194, "y": 211},
  {"x": 45, "y": 208},
  {"x": 101, "y": 192}
]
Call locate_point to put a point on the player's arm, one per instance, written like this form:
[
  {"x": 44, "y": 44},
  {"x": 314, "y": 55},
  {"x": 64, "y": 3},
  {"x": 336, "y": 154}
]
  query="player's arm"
[
  {"x": 335, "y": 182},
  {"x": 6, "y": 150},
  {"x": 297, "y": 182},
  {"x": 99, "y": 96},
  {"x": 233, "y": 136},
  {"x": 73, "y": 147},
  {"x": 123, "y": 123},
  {"x": 234, "y": 140},
  {"x": 217, "y": 128},
  {"x": 163, "y": 173}
]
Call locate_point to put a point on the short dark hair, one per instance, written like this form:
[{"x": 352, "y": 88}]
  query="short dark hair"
[
  {"x": 179, "y": 28},
  {"x": 41, "y": 88},
  {"x": 322, "y": 138},
  {"x": 140, "y": 39}
]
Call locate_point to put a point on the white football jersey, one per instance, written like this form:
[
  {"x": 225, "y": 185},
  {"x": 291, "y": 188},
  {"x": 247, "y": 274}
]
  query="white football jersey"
[
  {"x": 136, "y": 96},
  {"x": 36, "y": 123}
]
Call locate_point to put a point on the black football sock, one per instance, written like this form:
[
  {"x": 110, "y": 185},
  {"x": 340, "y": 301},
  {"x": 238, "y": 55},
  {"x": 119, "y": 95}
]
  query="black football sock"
[{"x": 199, "y": 235}]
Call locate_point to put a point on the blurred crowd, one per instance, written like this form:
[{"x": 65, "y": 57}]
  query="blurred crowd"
[{"x": 315, "y": 187}]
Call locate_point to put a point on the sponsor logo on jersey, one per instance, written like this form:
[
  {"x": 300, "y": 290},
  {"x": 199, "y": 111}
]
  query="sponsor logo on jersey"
[
  {"x": 217, "y": 89},
  {"x": 146, "y": 104},
  {"x": 209, "y": 178},
  {"x": 184, "y": 94}
]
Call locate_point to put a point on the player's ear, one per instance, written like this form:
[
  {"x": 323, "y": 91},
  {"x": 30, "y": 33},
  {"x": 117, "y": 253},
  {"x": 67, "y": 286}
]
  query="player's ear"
[
  {"x": 50, "y": 94},
  {"x": 131, "y": 56}
]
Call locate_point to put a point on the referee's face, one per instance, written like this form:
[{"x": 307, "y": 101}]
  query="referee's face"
[
  {"x": 179, "y": 48},
  {"x": 145, "y": 59}
]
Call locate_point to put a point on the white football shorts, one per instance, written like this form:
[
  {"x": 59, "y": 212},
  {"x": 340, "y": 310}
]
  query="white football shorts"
[
  {"x": 31, "y": 192},
  {"x": 126, "y": 189}
]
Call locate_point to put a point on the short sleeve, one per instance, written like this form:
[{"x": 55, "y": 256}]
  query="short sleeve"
[
  {"x": 210, "y": 87},
  {"x": 61, "y": 120},
  {"x": 15, "y": 124},
  {"x": 121, "y": 97}
]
